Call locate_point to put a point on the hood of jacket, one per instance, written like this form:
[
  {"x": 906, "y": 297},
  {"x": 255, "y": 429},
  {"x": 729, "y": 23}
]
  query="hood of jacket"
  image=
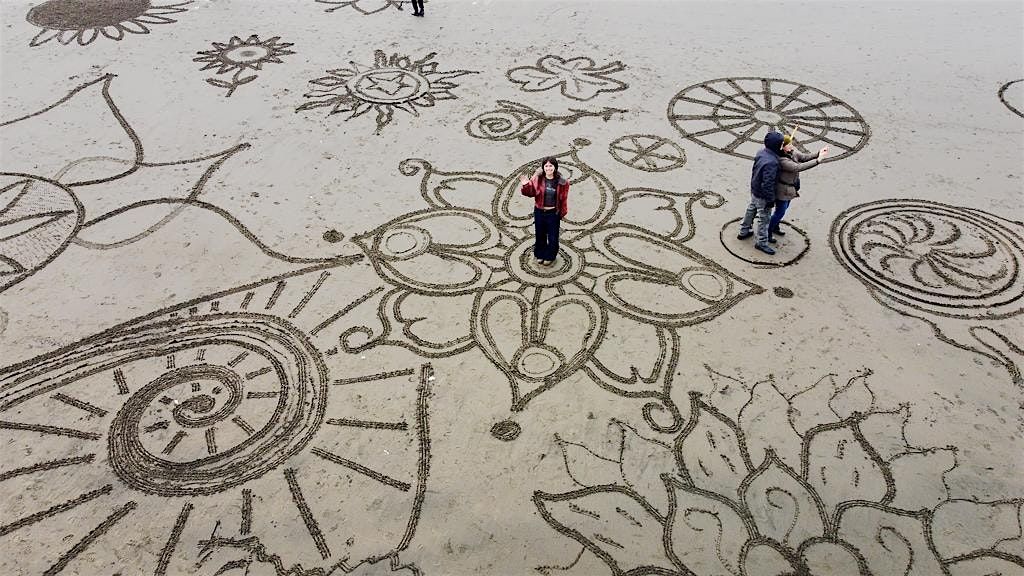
[{"x": 773, "y": 141}]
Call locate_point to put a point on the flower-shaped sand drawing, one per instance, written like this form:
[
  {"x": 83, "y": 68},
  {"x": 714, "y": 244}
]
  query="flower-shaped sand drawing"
[
  {"x": 55, "y": 192},
  {"x": 392, "y": 83},
  {"x": 578, "y": 78},
  {"x": 237, "y": 56},
  {"x": 463, "y": 276},
  {"x": 70, "y": 21},
  {"x": 820, "y": 483},
  {"x": 364, "y": 7}
]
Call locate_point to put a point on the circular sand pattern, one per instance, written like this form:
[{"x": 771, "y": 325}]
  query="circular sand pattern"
[
  {"x": 388, "y": 85},
  {"x": 1012, "y": 95},
  {"x": 942, "y": 259},
  {"x": 789, "y": 249},
  {"x": 205, "y": 427},
  {"x": 648, "y": 153},
  {"x": 506, "y": 430},
  {"x": 523, "y": 266},
  {"x": 37, "y": 222},
  {"x": 732, "y": 115}
]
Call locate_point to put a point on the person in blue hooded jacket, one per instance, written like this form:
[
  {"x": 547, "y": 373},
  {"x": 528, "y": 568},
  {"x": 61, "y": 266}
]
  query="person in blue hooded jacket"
[{"x": 763, "y": 178}]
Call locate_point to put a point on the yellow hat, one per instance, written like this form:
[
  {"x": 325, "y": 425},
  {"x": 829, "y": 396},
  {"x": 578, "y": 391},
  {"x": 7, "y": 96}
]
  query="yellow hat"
[{"x": 786, "y": 139}]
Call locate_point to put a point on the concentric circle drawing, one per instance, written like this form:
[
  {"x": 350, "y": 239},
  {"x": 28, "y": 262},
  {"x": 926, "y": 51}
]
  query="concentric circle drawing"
[
  {"x": 83, "y": 21},
  {"x": 942, "y": 259},
  {"x": 732, "y": 115},
  {"x": 648, "y": 153},
  {"x": 789, "y": 249},
  {"x": 523, "y": 266},
  {"x": 1011, "y": 95}
]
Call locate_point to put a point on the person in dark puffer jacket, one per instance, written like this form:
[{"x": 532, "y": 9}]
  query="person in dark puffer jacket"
[
  {"x": 763, "y": 179},
  {"x": 791, "y": 163}
]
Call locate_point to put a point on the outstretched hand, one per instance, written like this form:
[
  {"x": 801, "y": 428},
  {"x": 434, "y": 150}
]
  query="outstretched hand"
[
  {"x": 523, "y": 180},
  {"x": 822, "y": 153}
]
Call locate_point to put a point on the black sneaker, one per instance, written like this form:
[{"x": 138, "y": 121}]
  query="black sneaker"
[
  {"x": 744, "y": 235},
  {"x": 772, "y": 240},
  {"x": 778, "y": 232},
  {"x": 765, "y": 248}
]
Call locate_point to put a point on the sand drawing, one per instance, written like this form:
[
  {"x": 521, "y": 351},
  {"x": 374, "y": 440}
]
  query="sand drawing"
[
  {"x": 647, "y": 152},
  {"x": 823, "y": 481},
  {"x": 1011, "y": 95},
  {"x": 789, "y": 249},
  {"x": 364, "y": 7},
  {"x": 459, "y": 275},
  {"x": 956, "y": 268},
  {"x": 732, "y": 115},
  {"x": 392, "y": 83},
  {"x": 172, "y": 434},
  {"x": 578, "y": 78},
  {"x": 51, "y": 200},
  {"x": 239, "y": 55},
  {"x": 515, "y": 121},
  {"x": 80, "y": 22}
]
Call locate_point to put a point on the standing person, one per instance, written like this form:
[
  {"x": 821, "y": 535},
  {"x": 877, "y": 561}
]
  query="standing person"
[
  {"x": 791, "y": 163},
  {"x": 550, "y": 193},
  {"x": 763, "y": 178},
  {"x": 417, "y": 7}
]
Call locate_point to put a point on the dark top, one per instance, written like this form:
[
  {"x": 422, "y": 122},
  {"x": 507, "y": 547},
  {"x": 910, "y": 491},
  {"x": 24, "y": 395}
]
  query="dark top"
[{"x": 550, "y": 193}]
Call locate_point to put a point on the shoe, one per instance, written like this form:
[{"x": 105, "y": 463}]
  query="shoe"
[
  {"x": 419, "y": 14},
  {"x": 744, "y": 235},
  {"x": 778, "y": 232},
  {"x": 539, "y": 261},
  {"x": 772, "y": 240},
  {"x": 765, "y": 248},
  {"x": 548, "y": 262}
]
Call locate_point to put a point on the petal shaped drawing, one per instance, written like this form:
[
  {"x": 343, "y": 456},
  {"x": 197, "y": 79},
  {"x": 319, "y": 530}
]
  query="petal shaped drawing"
[
  {"x": 433, "y": 326},
  {"x": 920, "y": 477},
  {"x": 536, "y": 344},
  {"x": 435, "y": 251},
  {"x": 892, "y": 541},
  {"x": 471, "y": 190},
  {"x": 89, "y": 124},
  {"x": 712, "y": 451},
  {"x": 706, "y": 532},
  {"x": 784, "y": 507},
  {"x": 885, "y": 431},
  {"x": 835, "y": 558},
  {"x": 637, "y": 360},
  {"x": 842, "y": 467},
  {"x": 809, "y": 407},
  {"x": 661, "y": 212},
  {"x": 612, "y": 522},
  {"x": 591, "y": 195},
  {"x": 586, "y": 467},
  {"x": 202, "y": 414},
  {"x": 762, "y": 558},
  {"x": 964, "y": 527},
  {"x": 643, "y": 464},
  {"x": 661, "y": 282},
  {"x": 765, "y": 423}
]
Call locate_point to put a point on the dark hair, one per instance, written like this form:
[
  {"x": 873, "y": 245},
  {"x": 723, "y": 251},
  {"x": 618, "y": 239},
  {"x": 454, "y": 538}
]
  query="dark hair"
[{"x": 554, "y": 162}]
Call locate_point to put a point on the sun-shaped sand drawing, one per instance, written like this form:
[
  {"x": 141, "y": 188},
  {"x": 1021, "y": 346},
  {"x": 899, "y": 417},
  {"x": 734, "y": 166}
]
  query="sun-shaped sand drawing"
[
  {"x": 83, "y": 21},
  {"x": 393, "y": 83},
  {"x": 237, "y": 56}
]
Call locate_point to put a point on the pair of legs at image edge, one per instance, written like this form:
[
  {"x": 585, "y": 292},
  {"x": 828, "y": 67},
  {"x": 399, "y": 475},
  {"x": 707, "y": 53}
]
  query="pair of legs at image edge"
[
  {"x": 417, "y": 7},
  {"x": 546, "y": 225},
  {"x": 767, "y": 222}
]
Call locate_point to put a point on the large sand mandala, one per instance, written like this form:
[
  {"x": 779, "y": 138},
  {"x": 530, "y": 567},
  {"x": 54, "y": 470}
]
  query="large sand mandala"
[{"x": 460, "y": 275}]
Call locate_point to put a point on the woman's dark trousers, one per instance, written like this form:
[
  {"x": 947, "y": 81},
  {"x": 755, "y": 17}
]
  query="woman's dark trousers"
[{"x": 546, "y": 224}]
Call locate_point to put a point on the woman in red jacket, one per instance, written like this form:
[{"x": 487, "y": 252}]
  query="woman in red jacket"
[{"x": 550, "y": 192}]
